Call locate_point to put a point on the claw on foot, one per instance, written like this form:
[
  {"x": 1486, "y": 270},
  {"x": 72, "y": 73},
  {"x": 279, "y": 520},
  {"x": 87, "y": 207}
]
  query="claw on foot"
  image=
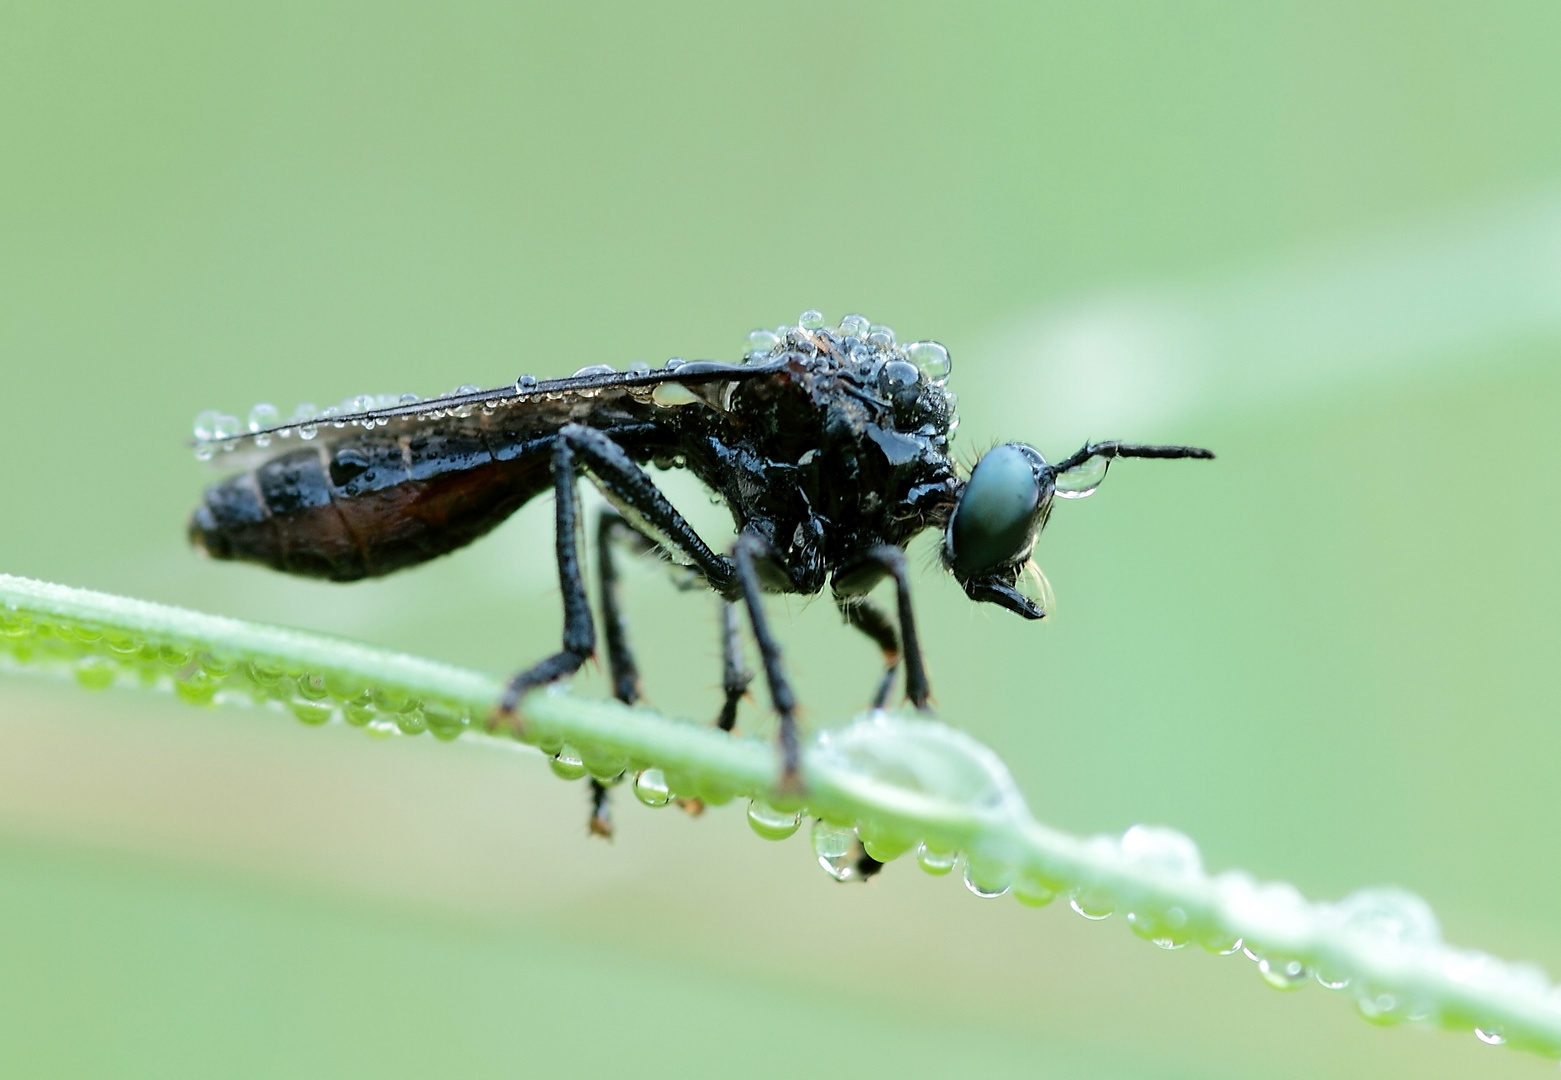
[
  {"x": 505, "y": 719},
  {"x": 791, "y": 783}
]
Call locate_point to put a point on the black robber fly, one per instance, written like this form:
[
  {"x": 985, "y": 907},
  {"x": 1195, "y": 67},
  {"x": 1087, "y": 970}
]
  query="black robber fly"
[{"x": 829, "y": 446}]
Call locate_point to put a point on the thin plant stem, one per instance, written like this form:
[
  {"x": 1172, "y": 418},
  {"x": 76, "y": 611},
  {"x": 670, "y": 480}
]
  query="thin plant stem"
[{"x": 892, "y": 785}]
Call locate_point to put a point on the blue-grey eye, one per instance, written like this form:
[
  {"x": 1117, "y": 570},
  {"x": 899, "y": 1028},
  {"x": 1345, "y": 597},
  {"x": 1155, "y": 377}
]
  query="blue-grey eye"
[{"x": 999, "y": 512}]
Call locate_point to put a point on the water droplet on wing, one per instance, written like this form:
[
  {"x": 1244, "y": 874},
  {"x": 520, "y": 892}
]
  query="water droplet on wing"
[
  {"x": 263, "y": 415},
  {"x": 760, "y": 342},
  {"x": 206, "y": 424}
]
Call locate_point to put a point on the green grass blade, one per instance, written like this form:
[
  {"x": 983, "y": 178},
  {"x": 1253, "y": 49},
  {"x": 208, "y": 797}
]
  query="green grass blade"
[{"x": 894, "y": 784}]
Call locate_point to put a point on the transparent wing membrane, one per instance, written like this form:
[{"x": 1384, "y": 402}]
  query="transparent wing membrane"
[{"x": 676, "y": 383}]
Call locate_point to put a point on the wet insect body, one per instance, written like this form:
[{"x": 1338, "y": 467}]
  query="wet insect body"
[{"x": 829, "y": 447}]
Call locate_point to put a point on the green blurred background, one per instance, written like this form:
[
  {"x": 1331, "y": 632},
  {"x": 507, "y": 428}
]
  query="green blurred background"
[{"x": 1324, "y": 239}]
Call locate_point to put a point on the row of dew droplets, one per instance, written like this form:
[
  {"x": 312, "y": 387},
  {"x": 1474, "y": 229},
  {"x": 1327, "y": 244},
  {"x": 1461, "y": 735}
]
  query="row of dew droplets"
[
  {"x": 213, "y": 428},
  {"x": 930, "y": 357},
  {"x": 99, "y": 657},
  {"x": 1381, "y": 920},
  {"x": 919, "y": 763},
  {"x": 879, "y": 749}
]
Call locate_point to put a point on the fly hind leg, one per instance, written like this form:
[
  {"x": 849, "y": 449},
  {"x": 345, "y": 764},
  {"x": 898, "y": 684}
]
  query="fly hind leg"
[
  {"x": 612, "y": 530},
  {"x": 625, "y": 484},
  {"x": 579, "y": 639}
]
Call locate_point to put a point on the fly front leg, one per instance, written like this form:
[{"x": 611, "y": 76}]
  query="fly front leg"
[
  {"x": 851, "y": 588},
  {"x": 892, "y": 559},
  {"x": 735, "y": 675},
  {"x": 865, "y": 616},
  {"x": 752, "y": 546}
]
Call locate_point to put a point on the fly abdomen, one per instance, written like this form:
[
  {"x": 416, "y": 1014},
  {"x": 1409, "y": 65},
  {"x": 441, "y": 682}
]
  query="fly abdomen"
[{"x": 366, "y": 506}]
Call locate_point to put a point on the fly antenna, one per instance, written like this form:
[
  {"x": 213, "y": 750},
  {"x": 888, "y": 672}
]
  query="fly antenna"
[{"x": 1113, "y": 449}]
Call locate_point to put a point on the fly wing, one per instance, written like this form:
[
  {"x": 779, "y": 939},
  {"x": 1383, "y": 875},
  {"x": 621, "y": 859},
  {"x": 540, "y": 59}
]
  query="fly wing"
[{"x": 544, "y": 404}]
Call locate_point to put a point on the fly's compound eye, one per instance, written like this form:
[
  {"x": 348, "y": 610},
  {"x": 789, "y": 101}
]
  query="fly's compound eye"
[{"x": 999, "y": 513}]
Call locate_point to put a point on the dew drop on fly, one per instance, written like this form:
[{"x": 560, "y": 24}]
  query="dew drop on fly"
[
  {"x": 811, "y": 319},
  {"x": 304, "y": 417},
  {"x": 206, "y": 425},
  {"x": 932, "y": 358},
  {"x": 854, "y": 326},
  {"x": 898, "y": 374},
  {"x": 262, "y": 416},
  {"x": 759, "y": 343},
  {"x": 1081, "y": 481}
]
